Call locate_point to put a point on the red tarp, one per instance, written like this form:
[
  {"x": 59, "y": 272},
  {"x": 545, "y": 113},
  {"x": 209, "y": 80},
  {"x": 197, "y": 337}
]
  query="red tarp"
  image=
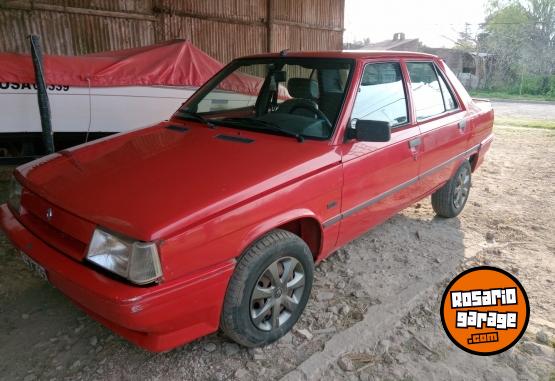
[{"x": 172, "y": 63}]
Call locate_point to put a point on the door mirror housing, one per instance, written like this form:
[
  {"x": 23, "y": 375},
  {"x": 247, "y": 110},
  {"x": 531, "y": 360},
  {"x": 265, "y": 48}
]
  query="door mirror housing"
[{"x": 369, "y": 130}]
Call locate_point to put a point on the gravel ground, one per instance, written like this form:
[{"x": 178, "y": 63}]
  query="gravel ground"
[{"x": 374, "y": 309}]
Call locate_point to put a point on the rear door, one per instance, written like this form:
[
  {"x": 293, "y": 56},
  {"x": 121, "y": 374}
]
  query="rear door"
[
  {"x": 441, "y": 118},
  {"x": 379, "y": 178}
]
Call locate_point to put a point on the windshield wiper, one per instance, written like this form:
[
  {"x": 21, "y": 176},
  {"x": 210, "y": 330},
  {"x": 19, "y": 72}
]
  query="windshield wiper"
[
  {"x": 184, "y": 114},
  {"x": 264, "y": 124}
]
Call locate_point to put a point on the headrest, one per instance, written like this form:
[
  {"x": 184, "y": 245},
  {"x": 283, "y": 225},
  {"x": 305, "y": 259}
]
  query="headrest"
[{"x": 302, "y": 88}]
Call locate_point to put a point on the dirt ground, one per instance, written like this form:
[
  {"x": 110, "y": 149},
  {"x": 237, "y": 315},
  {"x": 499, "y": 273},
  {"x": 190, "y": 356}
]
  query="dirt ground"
[{"x": 374, "y": 309}]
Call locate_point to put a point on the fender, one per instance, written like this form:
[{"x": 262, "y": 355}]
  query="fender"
[
  {"x": 460, "y": 158},
  {"x": 257, "y": 231}
]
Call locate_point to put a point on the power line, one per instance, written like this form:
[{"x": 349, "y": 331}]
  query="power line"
[{"x": 483, "y": 23}]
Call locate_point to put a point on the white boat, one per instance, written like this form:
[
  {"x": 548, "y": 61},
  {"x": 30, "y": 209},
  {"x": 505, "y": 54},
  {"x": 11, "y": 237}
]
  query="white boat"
[
  {"x": 96, "y": 110},
  {"x": 98, "y": 94}
]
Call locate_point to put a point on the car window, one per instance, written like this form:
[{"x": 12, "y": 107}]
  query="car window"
[
  {"x": 300, "y": 97},
  {"x": 448, "y": 98},
  {"x": 427, "y": 97},
  {"x": 238, "y": 90},
  {"x": 381, "y": 95},
  {"x": 333, "y": 80},
  {"x": 431, "y": 95}
]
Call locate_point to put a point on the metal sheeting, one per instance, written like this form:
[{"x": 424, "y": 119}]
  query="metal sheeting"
[
  {"x": 136, "y": 6},
  {"x": 245, "y": 10},
  {"x": 223, "y": 28},
  {"x": 322, "y": 13},
  {"x": 223, "y": 41},
  {"x": 298, "y": 38},
  {"x": 71, "y": 34}
]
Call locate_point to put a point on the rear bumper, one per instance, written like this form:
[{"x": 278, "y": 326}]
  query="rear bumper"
[
  {"x": 157, "y": 318},
  {"x": 484, "y": 148}
]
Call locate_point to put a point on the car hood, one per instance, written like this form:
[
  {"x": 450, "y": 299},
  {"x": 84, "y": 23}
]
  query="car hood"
[{"x": 150, "y": 183}]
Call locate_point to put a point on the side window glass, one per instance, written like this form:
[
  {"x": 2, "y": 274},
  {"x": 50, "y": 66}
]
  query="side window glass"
[
  {"x": 448, "y": 99},
  {"x": 426, "y": 91},
  {"x": 333, "y": 80},
  {"x": 381, "y": 96}
]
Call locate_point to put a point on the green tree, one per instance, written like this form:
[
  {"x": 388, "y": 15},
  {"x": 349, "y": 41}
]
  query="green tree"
[
  {"x": 542, "y": 13},
  {"x": 507, "y": 33},
  {"x": 520, "y": 35}
]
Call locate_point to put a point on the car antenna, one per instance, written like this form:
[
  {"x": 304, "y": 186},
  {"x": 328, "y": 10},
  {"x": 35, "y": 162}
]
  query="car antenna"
[{"x": 284, "y": 52}]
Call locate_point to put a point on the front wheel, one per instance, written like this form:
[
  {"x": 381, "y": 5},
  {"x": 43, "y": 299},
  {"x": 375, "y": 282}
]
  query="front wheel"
[
  {"x": 449, "y": 200},
  {"x": 268, "y": 290}
]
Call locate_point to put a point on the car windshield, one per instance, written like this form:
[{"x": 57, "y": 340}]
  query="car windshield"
[{"x": 299, "y": 97}]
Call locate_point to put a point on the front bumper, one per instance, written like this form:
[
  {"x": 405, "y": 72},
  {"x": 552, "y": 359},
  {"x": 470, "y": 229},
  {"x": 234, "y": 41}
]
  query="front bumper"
[{"x": 157, "y": 318}]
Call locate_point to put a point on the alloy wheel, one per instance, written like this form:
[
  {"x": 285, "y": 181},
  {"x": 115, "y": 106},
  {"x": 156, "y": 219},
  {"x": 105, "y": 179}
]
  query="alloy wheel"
[
  {"x": 277, "y": 293},
  {"x": 462, "y": 188}
]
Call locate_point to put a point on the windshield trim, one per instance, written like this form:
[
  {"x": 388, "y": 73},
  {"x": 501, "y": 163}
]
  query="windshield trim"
[{"x": 211, "y": 84}]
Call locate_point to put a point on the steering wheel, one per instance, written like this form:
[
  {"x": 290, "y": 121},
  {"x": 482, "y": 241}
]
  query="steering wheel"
[{"x": 311, "y": 106}]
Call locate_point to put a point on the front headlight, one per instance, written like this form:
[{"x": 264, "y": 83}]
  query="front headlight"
[
  {"x": 14, "y": 196},
  {"x": 134, "y": 260}
]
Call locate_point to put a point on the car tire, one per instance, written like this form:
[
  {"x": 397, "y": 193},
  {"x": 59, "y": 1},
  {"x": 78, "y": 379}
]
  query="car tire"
[
  {"x": 262, "y": 301},
  {"x": 449, "y": 200}
]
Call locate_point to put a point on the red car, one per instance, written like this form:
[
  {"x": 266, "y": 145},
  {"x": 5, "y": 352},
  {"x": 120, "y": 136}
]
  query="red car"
[{"x": 216, "y": 218}]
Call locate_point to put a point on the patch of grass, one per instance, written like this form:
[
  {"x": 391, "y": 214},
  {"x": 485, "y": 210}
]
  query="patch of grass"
[
  {"x": 530, "y": 123},
  {"x": 505, "y": 95}
]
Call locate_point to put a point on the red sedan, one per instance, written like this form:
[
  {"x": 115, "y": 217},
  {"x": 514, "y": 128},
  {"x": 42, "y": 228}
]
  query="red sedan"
[{"x": 216, "y": 218}]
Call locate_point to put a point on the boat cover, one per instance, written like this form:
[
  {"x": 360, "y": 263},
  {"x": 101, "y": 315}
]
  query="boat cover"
[{"x": 171, "y": 63}]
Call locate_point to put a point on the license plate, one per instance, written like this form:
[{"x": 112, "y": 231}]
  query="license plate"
[{"x": 34, "y": 266}]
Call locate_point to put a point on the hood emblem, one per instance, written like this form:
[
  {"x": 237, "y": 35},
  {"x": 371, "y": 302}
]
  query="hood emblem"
[{"x": 49, "y": 214}]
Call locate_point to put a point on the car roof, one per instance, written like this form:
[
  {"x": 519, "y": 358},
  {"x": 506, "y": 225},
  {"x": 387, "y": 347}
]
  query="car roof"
[{"x": 352, "y": 54}]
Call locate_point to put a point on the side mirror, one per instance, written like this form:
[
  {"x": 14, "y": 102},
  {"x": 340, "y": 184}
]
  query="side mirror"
[{"x": 369, "y": 130}]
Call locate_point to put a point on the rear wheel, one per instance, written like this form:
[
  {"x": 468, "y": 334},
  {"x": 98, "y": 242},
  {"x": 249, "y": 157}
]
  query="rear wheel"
[
  {"x": 449, "y": 200},
  {"x": 269, "y": 289}
]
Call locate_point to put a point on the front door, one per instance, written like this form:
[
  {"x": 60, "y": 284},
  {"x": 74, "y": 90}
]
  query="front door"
[{"x": 379, "y": 178}]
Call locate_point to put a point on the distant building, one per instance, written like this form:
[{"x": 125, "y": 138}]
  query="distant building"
[
  {"x": 399, "y": 42},
  {"x": 459, "y": 61},
  {"x": 471, "y": 68}
]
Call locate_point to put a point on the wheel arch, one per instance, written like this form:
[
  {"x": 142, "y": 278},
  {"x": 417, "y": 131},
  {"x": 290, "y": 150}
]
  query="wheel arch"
[
  {"x": 473, "y": 159},
  {"x": 460, "y": 162},
  {"x": 302, "y": 223}
]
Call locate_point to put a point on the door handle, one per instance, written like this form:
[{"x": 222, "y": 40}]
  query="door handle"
[
  {"x": 414, "y": 143},
  {"x": 462, "y": 125}
]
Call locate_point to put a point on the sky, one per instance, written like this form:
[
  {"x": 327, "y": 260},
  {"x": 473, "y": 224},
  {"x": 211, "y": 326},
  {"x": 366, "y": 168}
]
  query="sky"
[{"x": 435, "y": 22}]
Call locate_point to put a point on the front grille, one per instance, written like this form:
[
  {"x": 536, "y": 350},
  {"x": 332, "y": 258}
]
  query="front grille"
[
  {"x": 54, "y": 237},
  {"x": 58, "y": 228}
]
